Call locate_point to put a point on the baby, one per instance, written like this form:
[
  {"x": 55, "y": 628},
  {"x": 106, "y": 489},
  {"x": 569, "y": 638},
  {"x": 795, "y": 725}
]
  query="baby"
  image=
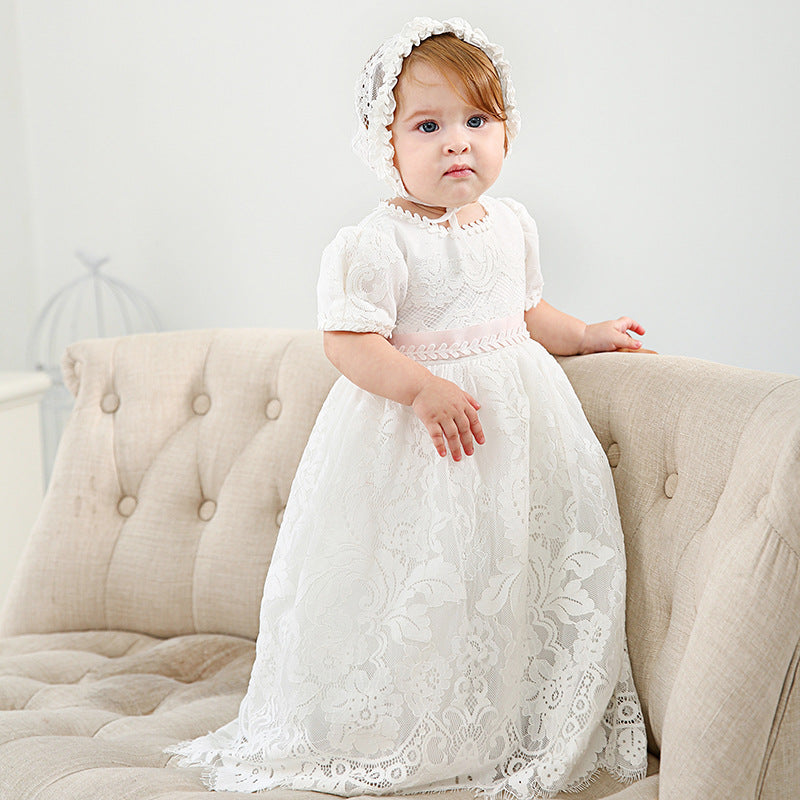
[
  {"x": 447, "y": 163},
  {"x": 431, "y": 623}
]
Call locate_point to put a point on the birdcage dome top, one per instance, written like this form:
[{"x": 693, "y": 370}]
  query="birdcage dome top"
[{"x": 93, "y": 305}]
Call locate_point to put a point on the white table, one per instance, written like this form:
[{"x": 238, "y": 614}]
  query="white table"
[{"x": 21, "y": 474}]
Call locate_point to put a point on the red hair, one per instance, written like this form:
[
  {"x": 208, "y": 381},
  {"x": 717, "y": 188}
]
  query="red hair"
[{"x": 471, "y": 68}]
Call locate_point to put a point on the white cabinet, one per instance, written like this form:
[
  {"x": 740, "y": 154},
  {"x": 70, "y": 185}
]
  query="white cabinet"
[{"x": 21, "y": 475}]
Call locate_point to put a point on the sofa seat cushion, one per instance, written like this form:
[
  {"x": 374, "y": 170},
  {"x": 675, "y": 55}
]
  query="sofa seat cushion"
[
  {"x": 88, "y": 714},
  {"x": 92, "y": 709}
]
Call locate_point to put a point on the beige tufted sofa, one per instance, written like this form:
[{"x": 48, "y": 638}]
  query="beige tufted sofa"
[{"x": 132, "y": 617}]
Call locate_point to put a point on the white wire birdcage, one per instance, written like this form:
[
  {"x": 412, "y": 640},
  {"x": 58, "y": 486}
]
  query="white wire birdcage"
[{"x": 91, "y": 306}]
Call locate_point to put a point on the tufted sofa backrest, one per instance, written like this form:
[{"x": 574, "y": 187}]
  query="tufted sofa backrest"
[{"x": 170, "y": 480}]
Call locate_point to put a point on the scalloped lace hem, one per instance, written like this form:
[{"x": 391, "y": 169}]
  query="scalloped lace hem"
[
  {"x": 220, "y": 776},
  {"x": 499, "y": 791},
  {"x": 211, "y": 775}
]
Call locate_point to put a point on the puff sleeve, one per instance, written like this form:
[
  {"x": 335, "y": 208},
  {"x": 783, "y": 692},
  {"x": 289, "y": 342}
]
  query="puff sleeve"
[
  {"x": 362, "y": 282},
  {"x": 533, "y": 273}
]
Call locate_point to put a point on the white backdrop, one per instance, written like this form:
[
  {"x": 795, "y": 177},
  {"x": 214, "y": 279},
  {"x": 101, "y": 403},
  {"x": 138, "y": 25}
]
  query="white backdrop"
[{"x": 204, "y": 145}]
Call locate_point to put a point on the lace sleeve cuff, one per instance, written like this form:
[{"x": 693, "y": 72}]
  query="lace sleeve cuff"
[
  {"x": 354, "y": 324},
  {"x": 532, "y": 300}
]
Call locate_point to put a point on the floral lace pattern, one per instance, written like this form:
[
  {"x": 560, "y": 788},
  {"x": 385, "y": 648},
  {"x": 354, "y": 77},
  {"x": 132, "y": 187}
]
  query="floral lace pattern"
[{"x": 429, "y": 624}]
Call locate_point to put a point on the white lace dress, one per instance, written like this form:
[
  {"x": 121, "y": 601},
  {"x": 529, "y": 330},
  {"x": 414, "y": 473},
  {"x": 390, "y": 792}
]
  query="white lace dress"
[{"x": 429, "y": 624}]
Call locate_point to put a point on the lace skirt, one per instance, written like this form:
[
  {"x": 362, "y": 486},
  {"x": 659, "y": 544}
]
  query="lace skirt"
[{"x": 429, "y": 624}]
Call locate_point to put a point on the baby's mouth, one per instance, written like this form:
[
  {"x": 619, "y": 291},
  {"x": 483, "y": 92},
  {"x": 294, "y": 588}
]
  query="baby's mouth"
[{"x": 459, "y": 170}]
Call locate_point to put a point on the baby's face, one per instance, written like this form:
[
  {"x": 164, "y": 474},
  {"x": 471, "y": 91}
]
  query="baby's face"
[{"x": 448, "y": 153}]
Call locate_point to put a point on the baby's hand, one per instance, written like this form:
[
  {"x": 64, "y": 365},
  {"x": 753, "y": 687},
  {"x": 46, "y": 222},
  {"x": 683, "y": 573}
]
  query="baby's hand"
[
  {"x": 449, "y": 413},
  {"x": 610, "y": 335}
]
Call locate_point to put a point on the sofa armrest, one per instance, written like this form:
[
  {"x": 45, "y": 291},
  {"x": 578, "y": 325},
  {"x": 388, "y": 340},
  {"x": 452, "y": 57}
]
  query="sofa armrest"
[
  {"x": 726, "y": 718},
  {"x": 706, "y": 463}
]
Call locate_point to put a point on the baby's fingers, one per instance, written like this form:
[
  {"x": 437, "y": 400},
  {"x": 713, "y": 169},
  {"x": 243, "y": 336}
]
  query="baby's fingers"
[
  {"x": 628, "y": 341},
  {"x": 475, "y": 426},
  {"x": 465, "y": 432},
  {"x": 626, "y": 324},
  {"x": 453, "y": 439},
  {"x": 438, "y": 438}
]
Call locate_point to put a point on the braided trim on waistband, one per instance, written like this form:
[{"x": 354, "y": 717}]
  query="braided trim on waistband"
[{"x": 481, "y": 344}]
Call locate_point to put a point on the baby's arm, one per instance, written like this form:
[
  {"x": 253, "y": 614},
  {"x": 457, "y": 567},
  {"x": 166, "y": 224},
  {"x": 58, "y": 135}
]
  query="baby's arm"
[
  {"x": 563, "y": 335},
  {"x": 559, "y": 333},
  {"x": 371, "y": 362}
]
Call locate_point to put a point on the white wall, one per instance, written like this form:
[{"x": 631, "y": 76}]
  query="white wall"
[
  {"x": 17, "y": 264},
  {"x": 205, "y": 146}
]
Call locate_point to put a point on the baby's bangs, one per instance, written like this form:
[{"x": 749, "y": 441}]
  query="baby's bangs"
[{"x": 455, "y": 58}]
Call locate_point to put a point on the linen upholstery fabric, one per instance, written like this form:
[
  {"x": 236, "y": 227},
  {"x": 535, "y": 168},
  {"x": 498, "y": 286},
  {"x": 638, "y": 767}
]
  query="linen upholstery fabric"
[
  {"x": 124, "y": 634},
  {"x": 207, "y": 423}
]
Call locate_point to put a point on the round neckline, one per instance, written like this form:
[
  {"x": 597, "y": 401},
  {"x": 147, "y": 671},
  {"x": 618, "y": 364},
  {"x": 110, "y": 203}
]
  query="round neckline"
[{"x": 476, "y": 226}]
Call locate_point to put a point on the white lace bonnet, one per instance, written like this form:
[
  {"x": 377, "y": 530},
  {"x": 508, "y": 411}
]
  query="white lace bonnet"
[{"x": 375, "y": 103}]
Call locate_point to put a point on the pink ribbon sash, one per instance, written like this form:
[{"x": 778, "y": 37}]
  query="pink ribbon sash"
[{"x": 460, "y": 342}]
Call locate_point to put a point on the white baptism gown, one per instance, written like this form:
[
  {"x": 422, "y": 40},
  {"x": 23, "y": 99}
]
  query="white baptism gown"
[{"x": 429, "y": 624}]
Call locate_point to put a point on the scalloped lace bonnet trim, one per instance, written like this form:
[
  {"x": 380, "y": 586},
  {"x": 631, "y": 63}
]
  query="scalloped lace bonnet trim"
[{"x": 375, "y": 103}]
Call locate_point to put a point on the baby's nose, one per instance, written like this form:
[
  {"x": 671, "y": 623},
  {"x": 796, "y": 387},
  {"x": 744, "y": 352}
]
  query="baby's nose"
[{"x": 458, "y": 146}]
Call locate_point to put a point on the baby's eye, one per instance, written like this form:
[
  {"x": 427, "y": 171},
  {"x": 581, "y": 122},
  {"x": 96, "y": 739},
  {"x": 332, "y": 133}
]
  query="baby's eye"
[
  {"x": 428, "y": 126},
  {"x": 476, "y": 121}
]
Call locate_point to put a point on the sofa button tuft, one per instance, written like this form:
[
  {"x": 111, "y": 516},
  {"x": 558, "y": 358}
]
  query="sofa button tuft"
[
  {"x": 613, "y": 454},
  {"x": 273, "y": 408},
  {"x": 670, "y": 483},
  {"x": 207, "y": 510},
  {"x": 201, "y": 404},
  {"x": 126, "y": 505},
  {"x": 279, "y": 516},
  {"x": 109, "y": 403}
]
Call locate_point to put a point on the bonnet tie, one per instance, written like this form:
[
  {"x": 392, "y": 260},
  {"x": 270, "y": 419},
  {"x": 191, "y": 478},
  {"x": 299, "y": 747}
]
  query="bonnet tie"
[{"x": 448, "y": 216}]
